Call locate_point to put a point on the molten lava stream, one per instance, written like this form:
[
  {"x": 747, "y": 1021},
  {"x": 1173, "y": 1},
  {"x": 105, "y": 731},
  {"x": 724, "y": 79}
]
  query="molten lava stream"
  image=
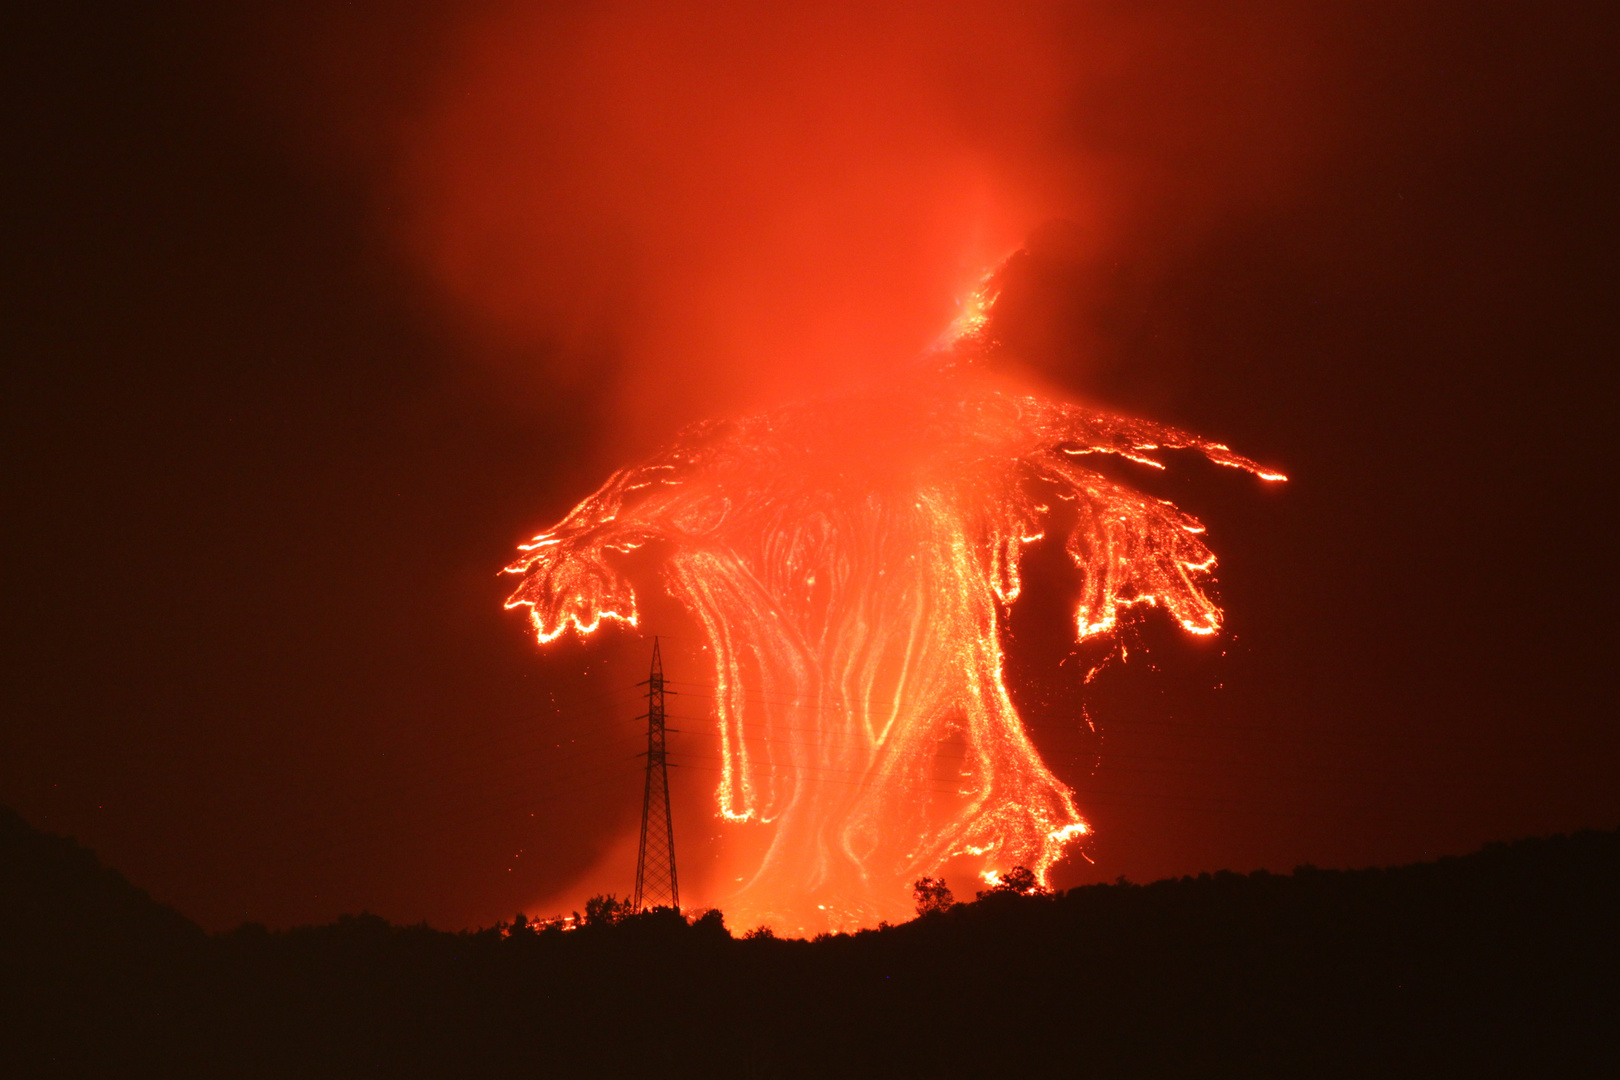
[{"x": 851, "y": 563}]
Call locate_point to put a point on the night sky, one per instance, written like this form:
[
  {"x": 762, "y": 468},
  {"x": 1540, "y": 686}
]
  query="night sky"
[{"x": 310, "y": 316}]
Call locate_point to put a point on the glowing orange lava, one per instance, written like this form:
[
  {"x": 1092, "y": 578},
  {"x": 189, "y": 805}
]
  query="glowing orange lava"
[{"x": 852, "y": 562}]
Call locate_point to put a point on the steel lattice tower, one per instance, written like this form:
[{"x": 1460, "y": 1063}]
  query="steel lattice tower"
[{"x": 655, "y": 864}]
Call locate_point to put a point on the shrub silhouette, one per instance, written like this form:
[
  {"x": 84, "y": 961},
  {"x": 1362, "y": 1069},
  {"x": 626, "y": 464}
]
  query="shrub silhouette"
[
  {"x": 605, "y": 910},
  {"x": 1019, "y": 881},
  {"x": 1505, "y": 962},
  {"x": 932, "y": 895}
]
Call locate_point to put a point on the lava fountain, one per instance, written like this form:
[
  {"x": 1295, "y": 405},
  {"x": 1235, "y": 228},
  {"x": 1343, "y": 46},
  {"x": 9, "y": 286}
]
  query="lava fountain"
[{"x": 852, "y": 562}]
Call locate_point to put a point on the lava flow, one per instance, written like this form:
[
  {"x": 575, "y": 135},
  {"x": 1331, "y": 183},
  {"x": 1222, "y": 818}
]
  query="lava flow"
[{"x": 852, "y": 562}]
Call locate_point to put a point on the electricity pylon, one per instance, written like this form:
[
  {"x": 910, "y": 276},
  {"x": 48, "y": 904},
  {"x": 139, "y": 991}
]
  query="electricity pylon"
[{"x": 655, "y": 864}]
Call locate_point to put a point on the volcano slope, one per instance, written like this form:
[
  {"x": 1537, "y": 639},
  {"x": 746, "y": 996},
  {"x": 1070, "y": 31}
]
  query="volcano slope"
[{"x": 1503, "y": 962}]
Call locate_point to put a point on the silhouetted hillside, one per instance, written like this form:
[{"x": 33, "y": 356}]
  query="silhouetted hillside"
[
  {"x": 91, "y": 967},
  {"x": 52, "y": 890},
  {"x": 1501, "y": 963}
]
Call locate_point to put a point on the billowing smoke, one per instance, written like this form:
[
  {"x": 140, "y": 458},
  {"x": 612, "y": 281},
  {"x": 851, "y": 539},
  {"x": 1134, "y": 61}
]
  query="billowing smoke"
[{"x": 703, "y": 209}]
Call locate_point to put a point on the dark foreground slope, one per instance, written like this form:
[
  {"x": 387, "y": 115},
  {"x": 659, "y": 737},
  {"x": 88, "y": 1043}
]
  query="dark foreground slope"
[{"x": 1501, "y": 963}]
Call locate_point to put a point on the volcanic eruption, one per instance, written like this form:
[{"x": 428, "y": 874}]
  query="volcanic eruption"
[{"x": 851, "y": 562}]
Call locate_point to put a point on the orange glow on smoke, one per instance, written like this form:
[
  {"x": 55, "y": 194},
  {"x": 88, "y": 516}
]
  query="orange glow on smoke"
[
  {"x": 851, "y": 561},
  {"x": 717, "y": 206}
]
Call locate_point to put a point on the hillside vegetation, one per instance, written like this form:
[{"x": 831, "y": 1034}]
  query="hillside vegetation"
[{"x": 1499, "y": 963}]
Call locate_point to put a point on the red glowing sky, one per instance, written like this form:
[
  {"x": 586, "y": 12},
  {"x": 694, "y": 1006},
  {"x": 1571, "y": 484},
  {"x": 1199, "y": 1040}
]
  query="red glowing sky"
[{"x": 320, "y": 309}]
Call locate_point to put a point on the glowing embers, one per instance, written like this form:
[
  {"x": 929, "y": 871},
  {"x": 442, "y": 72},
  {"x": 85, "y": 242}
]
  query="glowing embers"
[{"x": 851, "y": 562}]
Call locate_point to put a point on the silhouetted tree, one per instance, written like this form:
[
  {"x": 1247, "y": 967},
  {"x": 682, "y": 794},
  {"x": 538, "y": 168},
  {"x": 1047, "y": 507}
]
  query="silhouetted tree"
[
  {"x": 712, "y": 921},
  {"x": 1020, "y": 881},
  {"x": 605, "y": 910},
  {"x": 932, "y": 895}
]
